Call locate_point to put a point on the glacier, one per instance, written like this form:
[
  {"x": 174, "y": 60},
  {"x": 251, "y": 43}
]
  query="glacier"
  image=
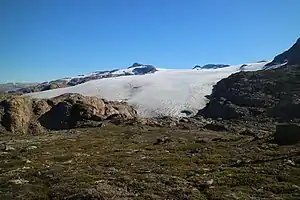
[{"x": 167, "y": 92}]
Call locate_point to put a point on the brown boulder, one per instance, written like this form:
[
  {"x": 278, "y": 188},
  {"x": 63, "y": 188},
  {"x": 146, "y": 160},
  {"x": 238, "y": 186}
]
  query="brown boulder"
[
  {"x": 25, "y": 115},
  {"x": 41, "y": 107},
  {"x": 17, "y": 114},
  {"x": 74, "y": 108}
]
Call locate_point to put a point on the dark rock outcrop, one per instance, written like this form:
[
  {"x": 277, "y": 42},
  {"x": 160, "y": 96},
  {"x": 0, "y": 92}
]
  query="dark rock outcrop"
[
  {"x": 197, "y": 67},
  {"x": 43, "y": 86},
  {"x": 135, "y": 65},
  {"x": 216, "y": 127},
  {"x": 144, "y": 70},
  {"x": 211, "y": 66},
  {"x": 287, "y": 134},
  {"x": 25, "y": 115},
  {"x": 271, "y": 94},
  {"x": 292, "y": 56},
  {"x": 141, "y": 69}
]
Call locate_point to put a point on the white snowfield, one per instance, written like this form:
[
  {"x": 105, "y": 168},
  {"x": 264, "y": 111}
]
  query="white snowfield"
[{"x": 164, "y": 93}]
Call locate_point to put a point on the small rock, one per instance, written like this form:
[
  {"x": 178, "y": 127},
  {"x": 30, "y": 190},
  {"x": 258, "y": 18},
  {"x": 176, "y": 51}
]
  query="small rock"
[
  {"x": 205, "y": 184},
  {"x": 205, "y": 169},
  {"x": 173, "y": 124},
  {"x": 259, "y": 136},
  {"x": 210, "y": 182},
  {"x": 31, "y": 147},
  {"x": 248, "y": 132},
  {"x": 9, "y": 148},
  {"x": 68, "y": 162},
  {"x": 215, "y": 127},
  {"x": 19, "y": 181},
  {"x": 296, "y": 186},
  {"x": 185, "y": 120},
  {"x": 162, "y": 140},
  {"x": 201, "y": 140},
  {"x": 143, "y": 157},
  {"x": 290, "y": 162},
  {"x": 194, "y": 152},
  {"x": 99, "y": 181}
]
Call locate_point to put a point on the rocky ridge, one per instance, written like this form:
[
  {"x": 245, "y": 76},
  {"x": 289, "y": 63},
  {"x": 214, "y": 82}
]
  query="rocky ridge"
[
  {"x": 134, "y": 69},
  {"x": 210, "y": 66},
  {"x": 291, "y": 55},
  {"x": 267, "y": 95},
  {"x": 6, "y": 87}
]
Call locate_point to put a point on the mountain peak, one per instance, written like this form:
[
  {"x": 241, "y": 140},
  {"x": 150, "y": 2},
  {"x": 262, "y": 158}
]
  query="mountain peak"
[
  {"x": 135, "y": 65},
  {"x": 291, "y": 56},
  {"x": 197, "y": 67}
]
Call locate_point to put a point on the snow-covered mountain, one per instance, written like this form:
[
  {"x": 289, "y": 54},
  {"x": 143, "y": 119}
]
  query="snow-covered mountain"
[
  {"x": 135, "y": 69},
  {"x": 165, "y": 92}
]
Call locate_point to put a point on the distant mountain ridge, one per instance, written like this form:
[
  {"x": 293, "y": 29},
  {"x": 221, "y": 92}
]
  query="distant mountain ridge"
[
  {"x": 14, "y": 86},
  {"x": 134, "y": 69},
  {"x": 210, "y": 66}
]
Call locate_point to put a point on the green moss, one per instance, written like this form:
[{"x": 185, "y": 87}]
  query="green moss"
[{"x": 123, "y": 162}]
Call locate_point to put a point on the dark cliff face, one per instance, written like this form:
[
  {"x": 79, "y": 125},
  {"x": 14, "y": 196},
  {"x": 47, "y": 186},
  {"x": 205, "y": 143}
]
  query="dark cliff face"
[
  {"x": 292, "y": 55},
  {"x": 261, "y": 94}
]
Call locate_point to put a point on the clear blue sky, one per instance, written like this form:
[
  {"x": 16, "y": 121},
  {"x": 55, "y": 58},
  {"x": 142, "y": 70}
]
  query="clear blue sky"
[{"x": 47, "y": 39}]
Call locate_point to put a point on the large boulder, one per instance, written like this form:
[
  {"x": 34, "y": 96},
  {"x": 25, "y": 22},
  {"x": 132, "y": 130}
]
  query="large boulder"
[
  {"x": 17, "y": 114},
  {"x": 287, "y": 134},
  {"x": 22, "y": 115},
  {"x": 58, "y": 117},
  {"x": 220, "y": 108},
  {"x": 70, "y": 109}
]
